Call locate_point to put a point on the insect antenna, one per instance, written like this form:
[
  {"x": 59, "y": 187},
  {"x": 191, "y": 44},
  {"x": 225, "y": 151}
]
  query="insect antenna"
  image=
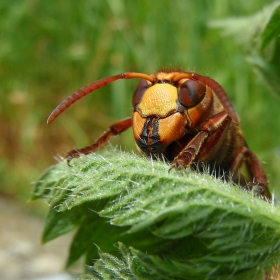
[{"x": 92, "y": 87}]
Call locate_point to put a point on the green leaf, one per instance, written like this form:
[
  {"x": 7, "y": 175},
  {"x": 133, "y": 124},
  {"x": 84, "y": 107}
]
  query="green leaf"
[
  {"x": 261, "y": 43},
  {"x": 272, "y": 28},
  {"x": 268, "y": 71},
  {"x": 45, "y": 185},
  {"x": 135, "y": 264},
  {"x": 187, "y": 223},
  {"x": 88, "y": 231},
  {"x": 58, "y": 223}
]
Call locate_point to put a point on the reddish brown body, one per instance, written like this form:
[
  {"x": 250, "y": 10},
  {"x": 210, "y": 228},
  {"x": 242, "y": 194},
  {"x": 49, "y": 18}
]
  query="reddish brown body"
[{"x": 188, "y": 119}]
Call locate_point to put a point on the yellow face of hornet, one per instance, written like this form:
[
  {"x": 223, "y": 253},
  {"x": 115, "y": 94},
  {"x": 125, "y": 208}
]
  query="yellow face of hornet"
[{"x": 163, "y": 112}]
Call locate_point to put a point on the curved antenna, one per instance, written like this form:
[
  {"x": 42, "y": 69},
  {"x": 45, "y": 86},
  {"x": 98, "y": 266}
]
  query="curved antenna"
[
  {"x": 217, "y": 89},
  {"x": 92, "y": 87}
]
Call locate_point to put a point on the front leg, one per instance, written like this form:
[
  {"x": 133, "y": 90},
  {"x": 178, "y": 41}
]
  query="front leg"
[
  {"x": 188, "y": 154},
  {"x": 211, "y": 130},
  {"x": 114, "y": 129}
]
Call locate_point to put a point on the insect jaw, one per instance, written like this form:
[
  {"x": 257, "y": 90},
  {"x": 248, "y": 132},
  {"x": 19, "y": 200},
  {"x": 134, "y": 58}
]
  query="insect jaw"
[
  {"x": 153, "y": 134},
  {"x": 149, "y": 139}
]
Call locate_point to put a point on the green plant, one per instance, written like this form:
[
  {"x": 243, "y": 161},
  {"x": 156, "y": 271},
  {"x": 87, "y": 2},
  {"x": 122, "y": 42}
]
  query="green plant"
[
  {"x": 261, "y": 42},
  {"x": 147, "y": 222},
  {"x": 167, "y": 225}
]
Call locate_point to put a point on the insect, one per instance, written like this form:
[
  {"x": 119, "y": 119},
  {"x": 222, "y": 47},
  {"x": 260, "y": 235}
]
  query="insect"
[{"x": 188, "y": 119}]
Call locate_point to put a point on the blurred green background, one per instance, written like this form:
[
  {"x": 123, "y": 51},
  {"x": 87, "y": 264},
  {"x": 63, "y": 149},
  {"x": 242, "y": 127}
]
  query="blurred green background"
[{"x": 49, "y": 49}]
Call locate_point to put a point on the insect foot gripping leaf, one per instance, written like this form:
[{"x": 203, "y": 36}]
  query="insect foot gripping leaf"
[
  {"x": 168, "y": 225},
  {"x": 187, "y": 119}
]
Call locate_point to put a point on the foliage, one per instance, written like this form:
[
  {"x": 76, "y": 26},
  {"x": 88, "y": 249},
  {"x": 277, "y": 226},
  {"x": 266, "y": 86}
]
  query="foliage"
[
  {"x": 261, "y": 43},
  {"x": 133, "y": 216},
  {"x": 177, "y": 225},
  {"x": 47, "y": 51}
]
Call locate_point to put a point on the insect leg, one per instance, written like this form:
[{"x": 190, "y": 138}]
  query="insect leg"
[
  {"x": 188, "y": 154},
  {"x": 260, "y": 182},
  {"x": 210, "y": 134},
  {"x": 114, "y": 129}
]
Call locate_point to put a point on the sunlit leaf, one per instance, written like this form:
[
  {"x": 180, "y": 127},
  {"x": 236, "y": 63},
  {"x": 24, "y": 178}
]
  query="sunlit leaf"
[{"x": 192, "y": 220}]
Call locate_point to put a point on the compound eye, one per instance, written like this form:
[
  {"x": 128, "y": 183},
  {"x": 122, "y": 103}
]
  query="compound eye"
[
  {"x": 191, "y": 93},
  {"x": 139, "y": 92}
]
